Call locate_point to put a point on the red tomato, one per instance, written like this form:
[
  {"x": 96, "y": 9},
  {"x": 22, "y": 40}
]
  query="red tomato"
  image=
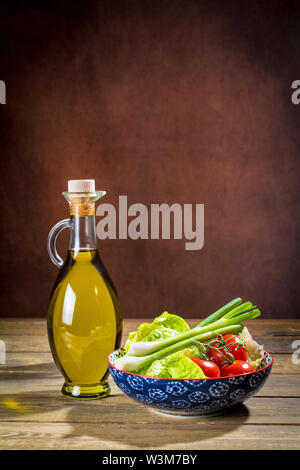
[
  {"x": 237, "y": 351},
  {"x": 236, "y": 368},
  {"x": 217, "y": 356},
  {"x": 210, "y": 369}
]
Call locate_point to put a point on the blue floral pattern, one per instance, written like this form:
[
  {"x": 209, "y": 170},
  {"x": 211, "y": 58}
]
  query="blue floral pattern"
[
  {"x": 143, "y": 398},
  {"x": 219, "y": 403},
  {"x": 180, "y": 403},
  {"x": 237, "y": 394},
  {"x": 135, "y": 382},
  {"x": 218, "y": 389},
  {"x": 197, "y": 383},
  {"x": 236, "y": 380},
  {"x": 198, "y": 396},
  {"x": 256, "y": 379},
  {"x": 157, "y": 394},
  {"x": 188, "y": 397},
  {"x": 124, "y": 388},
  {"x": 176, "y": 388}
]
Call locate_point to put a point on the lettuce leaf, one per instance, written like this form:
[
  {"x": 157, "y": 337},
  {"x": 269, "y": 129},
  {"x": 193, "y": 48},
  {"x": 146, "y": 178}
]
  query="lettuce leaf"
[
  {"x": 255, "y": 350},
  {"x": 175, "y": 366},
  {"x": 196, "y": 351},
  {"x": 169, "y": 320},
  {"x": 163, "y": 326}
]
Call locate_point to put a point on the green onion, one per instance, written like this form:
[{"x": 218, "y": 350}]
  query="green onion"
[
  {"x": 134, "y": 363},
  {"x": 147, "y": 347},
  {"x": 246, "y": 306},
  {"x": 228, "y": 319},
  {"x": 222, "y": 311}
]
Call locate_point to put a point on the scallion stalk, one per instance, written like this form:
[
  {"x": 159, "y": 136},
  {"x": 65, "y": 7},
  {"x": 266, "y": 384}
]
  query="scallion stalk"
[
  {"x": 222, "y": 311},
  {"x": 246, "y": 306},
  {"x": 134, "y": 363},
  {"x": 144, "y": 348}
]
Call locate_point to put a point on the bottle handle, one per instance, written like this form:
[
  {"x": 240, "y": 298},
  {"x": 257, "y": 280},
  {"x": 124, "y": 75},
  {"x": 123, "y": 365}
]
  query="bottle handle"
[{"x": 51, "y": 242}]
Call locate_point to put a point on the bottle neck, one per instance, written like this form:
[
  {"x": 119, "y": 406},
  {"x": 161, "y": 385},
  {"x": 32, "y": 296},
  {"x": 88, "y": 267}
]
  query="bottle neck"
[
  {"x": 82, "y": 228},
  {"x": 82, "y": 219}
]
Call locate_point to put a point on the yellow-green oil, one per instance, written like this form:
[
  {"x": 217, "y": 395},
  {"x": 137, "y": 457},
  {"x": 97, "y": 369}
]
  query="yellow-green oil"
[{"x": 84, "y": 324}]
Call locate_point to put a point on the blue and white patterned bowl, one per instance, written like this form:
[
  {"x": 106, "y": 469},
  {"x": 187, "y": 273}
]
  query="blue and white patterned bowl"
[{"x": 187, "y": 396}]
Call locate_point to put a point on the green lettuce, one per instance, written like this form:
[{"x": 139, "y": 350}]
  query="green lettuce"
[
  {"x": 163, "y": 326},
  {"x": 170, "y": 320},
  {"x": 256, "y": 363},
  {"x": 174, "y": 366},
  {"x": 177, "y": 365}
]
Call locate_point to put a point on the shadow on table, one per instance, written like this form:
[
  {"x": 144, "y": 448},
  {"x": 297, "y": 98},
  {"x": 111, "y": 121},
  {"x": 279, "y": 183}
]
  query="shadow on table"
[
  {"x": 115, "y": 422},
  {"x": 155, "y": 430}
]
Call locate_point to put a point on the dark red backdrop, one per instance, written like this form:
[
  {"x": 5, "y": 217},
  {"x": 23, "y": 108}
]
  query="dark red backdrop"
[{"x": 162, "y": 101}]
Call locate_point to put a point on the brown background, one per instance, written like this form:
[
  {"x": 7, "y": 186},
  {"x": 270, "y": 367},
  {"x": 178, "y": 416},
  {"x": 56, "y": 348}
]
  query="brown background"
[{"x": 162, "y": 101}]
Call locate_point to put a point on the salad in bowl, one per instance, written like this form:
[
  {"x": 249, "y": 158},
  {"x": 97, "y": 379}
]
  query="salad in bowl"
[{"x": 173, "y": 368}]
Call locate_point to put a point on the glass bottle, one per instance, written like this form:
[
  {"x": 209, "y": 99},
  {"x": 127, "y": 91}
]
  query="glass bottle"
[{"x": 84, "y": 318}]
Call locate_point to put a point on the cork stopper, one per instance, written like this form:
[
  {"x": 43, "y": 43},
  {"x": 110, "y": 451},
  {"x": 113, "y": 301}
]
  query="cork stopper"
[
  {"x": 81, "y": 186},
  {"x": 81, "y": 196},
  {"x": 84, "y": 203}
]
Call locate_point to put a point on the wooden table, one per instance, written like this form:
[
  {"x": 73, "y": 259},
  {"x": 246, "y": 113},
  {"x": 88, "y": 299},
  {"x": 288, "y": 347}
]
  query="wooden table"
[{"x": 34, "y": 414}]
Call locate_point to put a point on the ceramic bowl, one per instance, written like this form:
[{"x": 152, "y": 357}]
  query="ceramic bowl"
[{"x": 190, "y": 397}]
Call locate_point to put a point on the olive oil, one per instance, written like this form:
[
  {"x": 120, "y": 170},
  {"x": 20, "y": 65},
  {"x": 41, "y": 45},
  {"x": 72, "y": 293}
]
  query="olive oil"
[{"x": 84, "y": 315}]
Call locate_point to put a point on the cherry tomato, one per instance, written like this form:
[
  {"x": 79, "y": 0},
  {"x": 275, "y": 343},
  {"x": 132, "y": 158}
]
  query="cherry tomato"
[
  {"x": 210, "y": 369},
  {"x": 237, "y": 351},
  {"x": 236, "y": 368},
  {"x": 217, "y": 356}
]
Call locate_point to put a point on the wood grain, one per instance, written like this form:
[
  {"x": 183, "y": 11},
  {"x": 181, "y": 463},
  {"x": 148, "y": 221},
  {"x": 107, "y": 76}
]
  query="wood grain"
[
  {"x": 285, "y": 385},
  {"x": 34, "y": 414},
  {"x": 272, "y": 344},
  {"x": 37, "y": 327},
  {"x": 37, "y": 407},
  {"x": 161, "y": 435},
  {"x": 43, "y": 362}
]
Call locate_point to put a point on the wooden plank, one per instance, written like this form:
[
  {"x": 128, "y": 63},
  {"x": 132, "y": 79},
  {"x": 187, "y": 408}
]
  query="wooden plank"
[
  {"x": 278, "y": 344},
  {"x": 41, "y": 362},
  {"x": 283, "y": 365},
  {"x": 277, "y": 385},
  {"x": 28, "y": 343},
  {"x": 119, "y": 408},
  {"x": 38, "y": 327},
  {"x": 34, "y": 414},
  {"x": 258, "y": 327},
  {"x": 27, "y": 361},
  {"x": 176, "y": 434},
  {"x": 21, "y": 327},
  {"x": 281, "y": 385}
]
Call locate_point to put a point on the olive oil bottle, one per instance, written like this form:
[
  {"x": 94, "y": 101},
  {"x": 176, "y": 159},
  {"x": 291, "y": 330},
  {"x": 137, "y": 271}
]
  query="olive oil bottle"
[{"x": 84, "y": 317}]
